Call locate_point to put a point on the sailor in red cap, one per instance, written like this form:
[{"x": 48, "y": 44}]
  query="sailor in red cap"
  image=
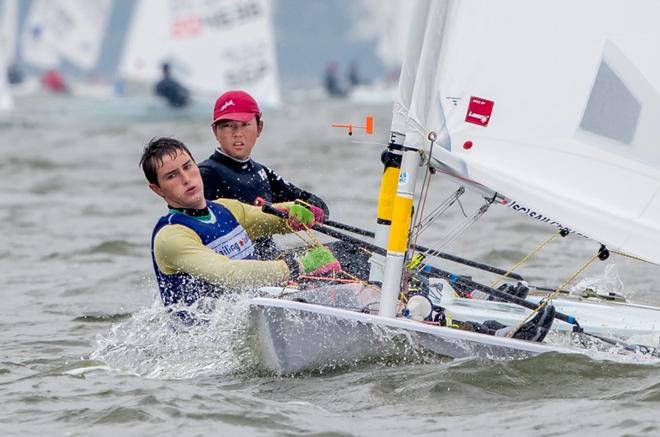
[{"x": 231, "y": 173}]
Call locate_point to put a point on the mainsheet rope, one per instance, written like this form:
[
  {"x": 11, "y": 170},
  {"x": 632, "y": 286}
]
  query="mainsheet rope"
[
  {"x": 313, "y": 242},
  {"x": 526, "y": 258}
]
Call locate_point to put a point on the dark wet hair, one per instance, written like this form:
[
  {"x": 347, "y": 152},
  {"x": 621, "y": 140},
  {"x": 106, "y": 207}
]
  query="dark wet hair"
[{"x": 155, "y": 150}]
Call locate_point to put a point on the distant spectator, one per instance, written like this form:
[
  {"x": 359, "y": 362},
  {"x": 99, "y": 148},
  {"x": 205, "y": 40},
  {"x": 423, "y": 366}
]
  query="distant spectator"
[
  {"x": 331, "y": 82},
  {"x": 14, "y": 74},
  {"x": 354, "y": 77},
  {"x": 177, "y": 95}
]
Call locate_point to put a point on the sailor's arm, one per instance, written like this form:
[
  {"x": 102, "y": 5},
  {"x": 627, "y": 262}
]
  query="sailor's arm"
[
  {"x": 284, "y": 191},
  {"x": 256, "y": 222},
  {"x": 178, "y": 249}
]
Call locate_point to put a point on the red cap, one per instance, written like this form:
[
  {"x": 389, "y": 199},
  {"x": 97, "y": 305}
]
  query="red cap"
[{"x": 235, "y": 105}]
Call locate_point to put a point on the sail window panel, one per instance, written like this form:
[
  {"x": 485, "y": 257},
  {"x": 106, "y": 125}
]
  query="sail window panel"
[{"x": 612, "y": 110}]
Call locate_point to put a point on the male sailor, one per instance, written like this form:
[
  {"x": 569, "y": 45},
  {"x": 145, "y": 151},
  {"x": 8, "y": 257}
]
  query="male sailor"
[
  {"x": 331, "y": 81},
  {"x": 230, "y": 172},
  {"x": 204, "y": 248}
]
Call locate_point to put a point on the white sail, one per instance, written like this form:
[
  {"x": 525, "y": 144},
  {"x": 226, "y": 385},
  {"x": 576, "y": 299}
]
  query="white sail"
[
  {"x": 410, "y": 61},
  {"x": 213, "y": 45},
  {"x": 37, "y": 45},
  {"x": 65, "y": 29},
  {"x": 555, "y": 105},
  {"x": 6, "y": 101},
  {"x": 8, "y": 29}
]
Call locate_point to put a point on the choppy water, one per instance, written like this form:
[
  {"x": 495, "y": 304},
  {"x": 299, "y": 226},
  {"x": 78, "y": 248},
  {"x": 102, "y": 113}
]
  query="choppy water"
[{"x": 85, "y": 347}]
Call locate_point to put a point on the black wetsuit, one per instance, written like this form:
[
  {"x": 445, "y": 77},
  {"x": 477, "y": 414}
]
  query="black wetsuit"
[
  {"x": 245, "y": 181},
  {"x": 332, "y": 85},
  {"x": 228, "y": 178}
]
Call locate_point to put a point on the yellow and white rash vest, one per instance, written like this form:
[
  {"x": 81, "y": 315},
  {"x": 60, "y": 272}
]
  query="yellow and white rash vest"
[{"x": 200, "y": 256}]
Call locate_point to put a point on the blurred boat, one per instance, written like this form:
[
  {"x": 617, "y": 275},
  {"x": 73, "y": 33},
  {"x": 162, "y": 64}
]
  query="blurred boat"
[
  {"x": 69, "y": 31},
  {"x": 211, "y": 46}
]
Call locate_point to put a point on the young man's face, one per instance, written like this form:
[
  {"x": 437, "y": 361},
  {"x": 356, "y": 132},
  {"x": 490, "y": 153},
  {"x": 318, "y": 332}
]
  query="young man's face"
[
  {"x": 179, "y": 182},
  {"x": 237, "y": 138}
]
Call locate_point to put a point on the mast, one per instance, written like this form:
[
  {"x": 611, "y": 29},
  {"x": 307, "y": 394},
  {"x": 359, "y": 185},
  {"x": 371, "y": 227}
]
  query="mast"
[
  {"x": 423, "y": 97},
  {"x": 391, "y": 157}
]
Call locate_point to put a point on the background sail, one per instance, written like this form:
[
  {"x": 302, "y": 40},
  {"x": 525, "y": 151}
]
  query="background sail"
[
  {"x": 555, "y": 104},
  {"x": 8, "y": 29},
  {"x": 6, "y": 101},
  {"x": 213, "y": 45},
  {"x": 65, "y": 29}
]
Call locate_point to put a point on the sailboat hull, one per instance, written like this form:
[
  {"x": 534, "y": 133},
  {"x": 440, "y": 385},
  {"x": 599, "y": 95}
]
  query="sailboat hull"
[{"x": 290, "y": 337}]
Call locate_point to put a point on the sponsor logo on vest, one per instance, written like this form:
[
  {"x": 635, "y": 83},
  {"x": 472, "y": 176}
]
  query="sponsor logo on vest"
[
  {"x": 234, "y": 245},
  {"x": 263, "y": 175}
]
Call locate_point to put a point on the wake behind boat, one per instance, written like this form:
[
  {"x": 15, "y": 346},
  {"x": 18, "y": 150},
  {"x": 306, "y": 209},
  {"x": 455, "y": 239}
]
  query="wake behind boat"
[{"x": 515, "y": 132}]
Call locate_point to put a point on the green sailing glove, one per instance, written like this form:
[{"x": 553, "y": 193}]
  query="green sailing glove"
[
  {"x": 302, "y": 216},
  {"x": 318, "y": 261}
]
